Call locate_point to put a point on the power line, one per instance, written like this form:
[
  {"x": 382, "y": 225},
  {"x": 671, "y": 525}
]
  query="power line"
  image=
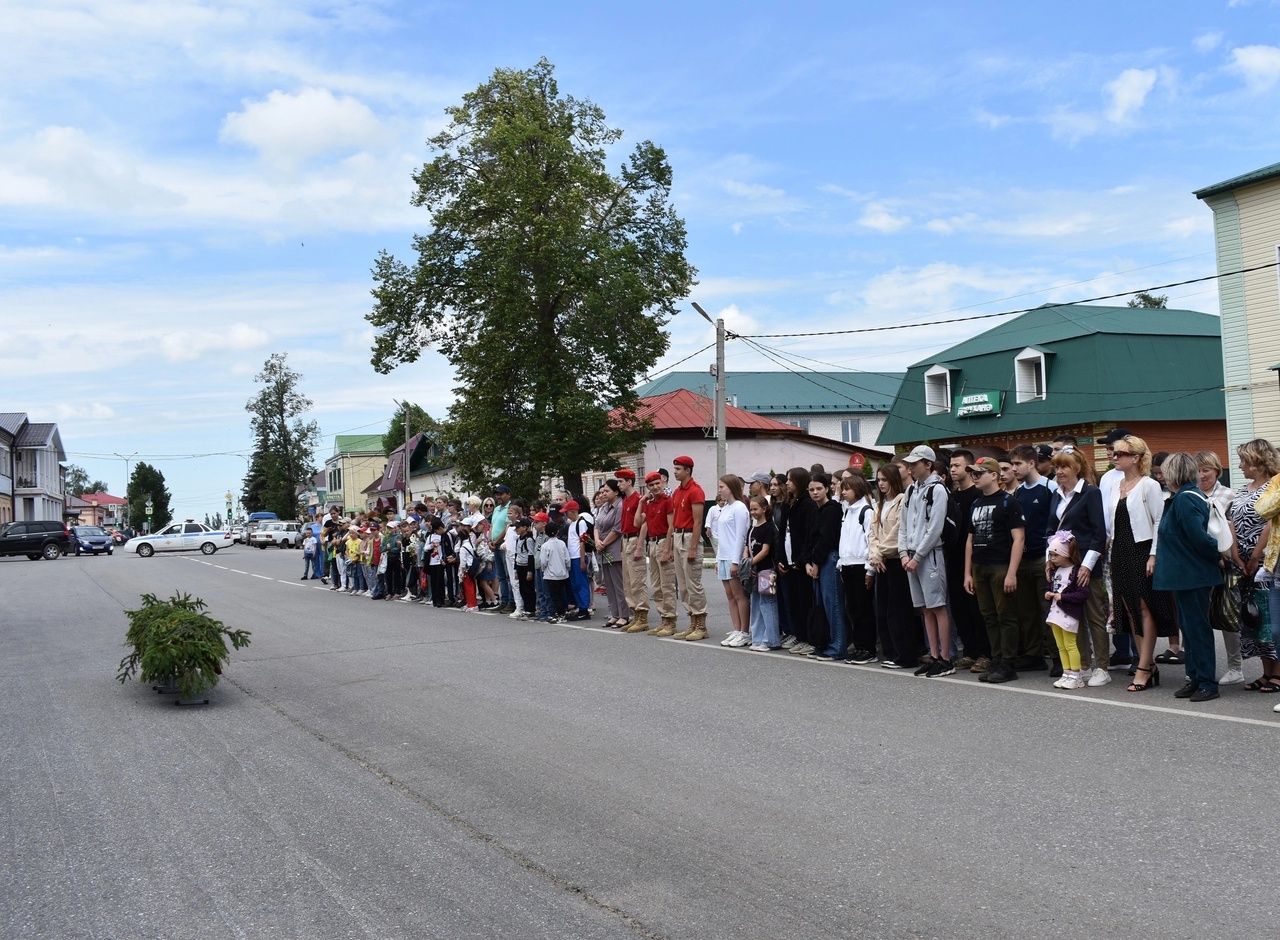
[
  {"x": 658, "y": 372},
  {"x": 1009, "y": 313}
]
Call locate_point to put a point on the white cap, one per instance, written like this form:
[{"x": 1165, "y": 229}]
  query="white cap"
[{"x": 921, "y": 452}]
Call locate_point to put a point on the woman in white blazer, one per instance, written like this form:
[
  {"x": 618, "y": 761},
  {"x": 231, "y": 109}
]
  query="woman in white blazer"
[{"x": 1133, "y": 511}]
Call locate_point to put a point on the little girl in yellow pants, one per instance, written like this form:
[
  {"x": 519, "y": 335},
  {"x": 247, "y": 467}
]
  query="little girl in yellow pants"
[{"x": 1066, "y": 605}]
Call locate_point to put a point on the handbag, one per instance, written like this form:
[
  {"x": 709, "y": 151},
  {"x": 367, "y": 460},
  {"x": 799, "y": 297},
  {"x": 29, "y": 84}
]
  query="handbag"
[
  {"x": 1224, "y": 607},
  {"x": 747, "y": 574},
  {"x": 766, "y": 583},
  {"x": 1218, "y": 526}
]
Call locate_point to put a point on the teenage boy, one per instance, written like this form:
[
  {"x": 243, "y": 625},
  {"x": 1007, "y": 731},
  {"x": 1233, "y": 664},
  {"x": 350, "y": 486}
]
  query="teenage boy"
[
  {"x": 924, "y": 516},
  {"x": 632, "y": 561},
  {"x": 964, "y": 606},
  {"x": 1033, "y": 498},
  {"x": 993, "y": 552},
  {"x": 688, "y": 505},
  {"x": 543, "y": 608},
  {"x": 656, "y": 540}
]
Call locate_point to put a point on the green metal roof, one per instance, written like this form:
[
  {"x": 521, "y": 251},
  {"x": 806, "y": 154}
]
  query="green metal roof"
[
  {"x": 788, "y": 393},
  {"x": 1108, "y": 364},
  {"x": 1247, "y": 179},
  {"x": 357, "y": 444}
]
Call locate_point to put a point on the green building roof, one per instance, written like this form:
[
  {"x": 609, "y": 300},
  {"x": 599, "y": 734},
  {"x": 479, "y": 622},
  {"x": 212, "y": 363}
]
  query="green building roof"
[
  {"x": 357, "y": 444},
  {"x": 1101, "y": 364},
  {"x": 787, "y": 393},
  {"x": 1246, "y": 179}
]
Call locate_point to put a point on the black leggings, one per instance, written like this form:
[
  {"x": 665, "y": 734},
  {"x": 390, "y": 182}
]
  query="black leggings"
[{"x": 901, "y": 636}]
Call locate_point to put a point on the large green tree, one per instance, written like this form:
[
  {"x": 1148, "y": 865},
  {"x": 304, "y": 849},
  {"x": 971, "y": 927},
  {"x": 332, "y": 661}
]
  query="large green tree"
[
  {"x": 1153, "y": 301},
  {"x": 78, "y": 482},
  {"x": 545, "y": 279},
  {"x": 148, "y": 483},
  {"x": 284, "y": 442}
]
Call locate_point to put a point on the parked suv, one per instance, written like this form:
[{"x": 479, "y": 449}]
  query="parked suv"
[
  {"x": 282, "y": 534},
  {"x": 36, "y": 540}
]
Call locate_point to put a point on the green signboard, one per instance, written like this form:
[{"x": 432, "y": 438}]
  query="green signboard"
[{"x": 978, "y": 404}]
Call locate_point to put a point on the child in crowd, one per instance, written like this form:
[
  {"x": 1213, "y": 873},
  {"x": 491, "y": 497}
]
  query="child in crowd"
[
  {"x": 355, "y": 565},
  {"x": 540, "y": 520},
  {"x": 555, "y": 571},
  {"x": 1066, "y": 606},
  {"x": 523, "y": 555},
  {"x": 468, "y": 564},
  {"x": 309, "y": 545},
  {"x": 434, "y": 554},
  {"x": 764, "y": 602}
]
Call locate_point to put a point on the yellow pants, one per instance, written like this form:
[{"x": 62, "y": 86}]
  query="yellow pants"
[{"x": 1068, "y": 652}]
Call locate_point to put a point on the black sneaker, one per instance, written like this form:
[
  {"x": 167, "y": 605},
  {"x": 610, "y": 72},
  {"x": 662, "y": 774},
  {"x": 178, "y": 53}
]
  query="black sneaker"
[
  {"x": 925, "y": 667},
  {"x": 941, "y": 667},
  {"x": 1189, "y": 688},
  {"x": 1204, "y": 695},
  {"x": 861, "y": 657},
  {"x": 1003, "y": 672}
]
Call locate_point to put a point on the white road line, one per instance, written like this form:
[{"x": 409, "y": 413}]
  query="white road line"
[
  {"x": 262, "y": 576},
  {"x": 237, "y": 571},
  {"x": 999, "y": 687},
  {"x": 290, "y": 583},
  {"x": 223, "y": 567}
]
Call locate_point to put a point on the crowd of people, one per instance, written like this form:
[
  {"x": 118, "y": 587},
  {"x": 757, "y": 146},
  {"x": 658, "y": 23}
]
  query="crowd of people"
[{"x": 1001, "y": 565}]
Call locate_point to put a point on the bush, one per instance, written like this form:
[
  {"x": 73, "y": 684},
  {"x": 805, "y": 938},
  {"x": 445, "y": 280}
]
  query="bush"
[{"x": 176, "y": 641}]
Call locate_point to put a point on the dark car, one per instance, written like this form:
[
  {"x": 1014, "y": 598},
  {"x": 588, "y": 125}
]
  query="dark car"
[
  {"x": 92, "y": 540},
  {"x": 36, "y": 540}
]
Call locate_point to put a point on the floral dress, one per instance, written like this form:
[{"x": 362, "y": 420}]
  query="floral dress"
[{"x": 1256, "y": 634}]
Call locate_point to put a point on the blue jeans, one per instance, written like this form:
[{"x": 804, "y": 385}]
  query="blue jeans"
[
  {"x": 543, "y": 595},
  {"x": 505, "y": 597},
  {"x": 308, "y": 563},
  {"x": 579, "y": 586},
  {"x": 1197, "y": 636},
  {"x": 764, "y": 620},
  {"x": 826, "y": 591}
]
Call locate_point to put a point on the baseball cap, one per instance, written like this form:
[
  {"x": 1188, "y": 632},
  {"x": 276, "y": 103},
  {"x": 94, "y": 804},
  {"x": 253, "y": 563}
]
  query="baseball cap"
[
  {"x": 541, "y": 517},
  {"x": 1044, "y": 452},
  {"x": 502, "y": 488},
  {"x": 919, "y": 453},
  {"x": 985, "y": 465},
  {"x": 760, "y": 477},
  {"x": 570, "y": 506}
]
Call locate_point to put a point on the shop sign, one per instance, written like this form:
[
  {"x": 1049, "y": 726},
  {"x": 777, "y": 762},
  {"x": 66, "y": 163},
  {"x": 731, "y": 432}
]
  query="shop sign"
[{"x": 978, "y": 404}]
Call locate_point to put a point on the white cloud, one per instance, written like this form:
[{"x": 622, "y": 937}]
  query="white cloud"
[
  {"x": 92, "y": 411},
  {"x": 990, "y": 119},
  {"x": 289, "y": 128},
  {"x": 1259, "y": 66},
  {"x": 189, "y": 345},
  {"x": 1127, "y": 93},
  {"x": 1207, "y": 42},
  {"x": 877, "y": 216}
]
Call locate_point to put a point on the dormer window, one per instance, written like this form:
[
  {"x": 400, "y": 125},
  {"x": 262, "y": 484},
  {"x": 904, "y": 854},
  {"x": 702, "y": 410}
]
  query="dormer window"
[
  {"x": 1030, "y": 375},
  {"x": 937, "y": 389}
]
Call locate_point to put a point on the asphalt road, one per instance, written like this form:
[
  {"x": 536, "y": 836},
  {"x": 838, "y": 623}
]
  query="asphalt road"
[{"x": 386, "y": 770}]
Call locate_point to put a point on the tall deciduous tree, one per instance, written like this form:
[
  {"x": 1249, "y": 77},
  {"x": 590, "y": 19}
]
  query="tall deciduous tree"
[
  {"x": 1154, "y": 301},
  {"x": 545, "y": 280},
  {"x": 284, "y": 443},
  {"x": 148, "y": 483}
]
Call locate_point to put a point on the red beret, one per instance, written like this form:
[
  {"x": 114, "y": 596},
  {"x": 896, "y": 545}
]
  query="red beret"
[
  {"x": 683, "y": 461},
  {"x": 651, "y": 477},
  {"x": 625, "y": 474}
]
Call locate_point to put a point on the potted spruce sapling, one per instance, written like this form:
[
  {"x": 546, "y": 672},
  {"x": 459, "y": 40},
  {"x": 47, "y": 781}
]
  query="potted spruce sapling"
[{"x": 177, "y": 645}]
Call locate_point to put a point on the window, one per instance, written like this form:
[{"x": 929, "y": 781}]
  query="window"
[
  {"x": 802, "y": 423},
  {"x": 1029, "y": 374},
  {"x": 937, "y": 390},
  {"x": 851, "y": 430}
]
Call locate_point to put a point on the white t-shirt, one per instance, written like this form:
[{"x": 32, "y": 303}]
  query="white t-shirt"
[
  {"x": 732, "y": 526},
  {"x": 711, "y": 523}
]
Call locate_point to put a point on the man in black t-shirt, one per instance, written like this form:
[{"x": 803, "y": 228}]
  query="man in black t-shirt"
[
  {"x": 964, "y": 608},
  {"x": 993, "y": 552}
]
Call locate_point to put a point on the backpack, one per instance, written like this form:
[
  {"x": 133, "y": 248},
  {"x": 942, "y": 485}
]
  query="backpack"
[{"x": 951, "y": 527}]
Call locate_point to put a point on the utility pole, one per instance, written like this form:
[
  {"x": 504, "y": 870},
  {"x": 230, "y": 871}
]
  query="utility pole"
[
  {"x": 405, "y": 507},
  {"x": 721, "y": 441}
]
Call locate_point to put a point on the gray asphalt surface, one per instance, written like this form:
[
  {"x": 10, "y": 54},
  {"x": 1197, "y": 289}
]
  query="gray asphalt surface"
[{"x": 386, "y": 770}]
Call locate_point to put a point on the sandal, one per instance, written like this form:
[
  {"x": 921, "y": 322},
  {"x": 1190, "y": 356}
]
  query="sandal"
[
  {"x": 1153, "y": 678},
  {"x": 1257, "y": 684},
  {"x": 1272, "y": 686},
  {"x": 1172, "y": 658}
]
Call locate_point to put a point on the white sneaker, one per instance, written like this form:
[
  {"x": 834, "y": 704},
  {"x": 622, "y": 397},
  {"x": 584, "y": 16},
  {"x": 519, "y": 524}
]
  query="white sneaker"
[
  {"x": 1275, "y": 708},
  {"x": 741, "y": 640},
  {"x": 1098, "y": 678},
  {"x": 1231, "y": 677},
  {"x": 1072, "y": 680},
  {"x": 518, "y": 615},
  {"x": 729, "y": 640},
  {"x": 1061, "y": 682},
  {"x": 764, "y": 648},
  {"x": 788, "y": 641}
]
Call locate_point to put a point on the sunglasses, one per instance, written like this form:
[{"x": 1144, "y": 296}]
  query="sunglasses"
[{"x": 1123, "y": 453}]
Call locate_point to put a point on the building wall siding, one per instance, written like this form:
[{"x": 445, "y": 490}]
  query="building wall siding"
[
  {"x": 1259, "y": 208},
  {"x": 1236, "y": 369}
]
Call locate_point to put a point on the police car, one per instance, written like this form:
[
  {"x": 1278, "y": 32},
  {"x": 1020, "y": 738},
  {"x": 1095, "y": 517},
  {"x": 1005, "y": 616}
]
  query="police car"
[{"x": 185, "y": 536}]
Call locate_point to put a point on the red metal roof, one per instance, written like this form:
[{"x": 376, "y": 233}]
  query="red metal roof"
[
  {"x": 103, "y": 499},
  {"x": 683, "y": 410}
]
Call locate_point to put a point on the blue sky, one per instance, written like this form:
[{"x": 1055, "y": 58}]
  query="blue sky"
[{"x": 187, "y": 187}]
